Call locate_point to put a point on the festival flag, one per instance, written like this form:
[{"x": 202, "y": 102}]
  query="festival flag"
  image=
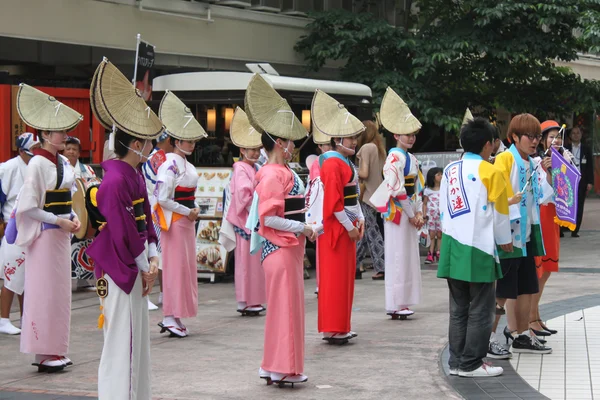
[{"x": 565, "y": 181}]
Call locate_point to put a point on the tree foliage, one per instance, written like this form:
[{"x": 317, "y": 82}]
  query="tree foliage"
[{"x": 451, "y": 54}]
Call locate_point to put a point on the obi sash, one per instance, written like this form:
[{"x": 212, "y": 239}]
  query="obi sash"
[
  {"x": 140, "y": 216},
  {"x": 350, "y": 195},
  {"x": 409, "y": 185},
  {"x": 295, "y": 208},
  {"x": 58, "y": 201},
  {"x": 185, "y": 196}
]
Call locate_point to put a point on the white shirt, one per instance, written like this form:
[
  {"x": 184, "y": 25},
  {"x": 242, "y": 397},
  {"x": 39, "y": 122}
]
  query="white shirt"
[
  {"x": 83, "y": 171},
  {"x": 576, "y": 150},
  {"x": 12, "y": 174}
]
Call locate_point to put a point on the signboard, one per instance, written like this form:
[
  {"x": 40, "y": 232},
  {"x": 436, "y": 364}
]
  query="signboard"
[{"x": 210, "y": 255}]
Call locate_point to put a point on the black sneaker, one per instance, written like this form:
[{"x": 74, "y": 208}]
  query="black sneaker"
[
  {"x": 496, "y": 351},
  {"x": 529, "y": 344}
]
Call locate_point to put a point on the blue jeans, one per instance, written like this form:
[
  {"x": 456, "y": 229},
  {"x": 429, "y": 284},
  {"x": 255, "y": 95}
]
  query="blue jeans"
[{"x": 471, "y": 317}]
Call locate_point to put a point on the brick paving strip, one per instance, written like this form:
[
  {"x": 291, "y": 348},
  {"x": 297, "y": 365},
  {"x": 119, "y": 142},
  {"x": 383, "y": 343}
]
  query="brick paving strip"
[{"x": 510, "y": 385}]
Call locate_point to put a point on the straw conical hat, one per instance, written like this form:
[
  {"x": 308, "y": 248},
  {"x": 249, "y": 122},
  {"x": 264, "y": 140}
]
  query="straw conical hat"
[
  {"x": 95, "y": 103},
  {"x": 269, "y": 112},
  {"x": 178, "y": 119},
  {"x": 468, "y": 117},
  {"x": 242, "y": 133},
  {"x": 332, "y": 118},
  {"x": 44, "y": 112},
  {"x": 319, "y": 137},
  {"x": 396, "y": 116},
  {"x": 124, "y": 105}
]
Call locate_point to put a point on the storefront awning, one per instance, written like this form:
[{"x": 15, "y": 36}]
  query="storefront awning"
[{"x": 231, "y": 81}]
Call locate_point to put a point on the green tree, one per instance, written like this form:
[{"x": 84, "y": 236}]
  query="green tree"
[{"x": 451, "y": 54}]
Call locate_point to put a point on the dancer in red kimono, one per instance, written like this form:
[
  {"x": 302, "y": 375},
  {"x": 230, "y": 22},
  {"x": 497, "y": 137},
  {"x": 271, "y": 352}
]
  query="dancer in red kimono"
[{"x": 343, "y": 220}]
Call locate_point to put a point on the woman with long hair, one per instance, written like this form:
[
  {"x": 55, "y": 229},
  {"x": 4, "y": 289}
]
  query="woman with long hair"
[{"x": 371, "y": 159}]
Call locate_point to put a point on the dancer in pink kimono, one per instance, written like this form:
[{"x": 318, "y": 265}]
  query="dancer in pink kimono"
[
  {"x": 44, "y": 221},
  {"x": 249, "y": 274},
  {"x": 277, "y": 216},
  {"x": 176, "y": 213}
]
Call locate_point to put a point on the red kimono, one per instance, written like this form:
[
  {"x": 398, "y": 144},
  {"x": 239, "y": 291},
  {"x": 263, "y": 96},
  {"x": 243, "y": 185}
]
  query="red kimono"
[{"x": 337, "y": 252}]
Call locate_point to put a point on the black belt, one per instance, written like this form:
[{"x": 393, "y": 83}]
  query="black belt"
[
  {"x": 350, "y": 195},
  {"x": 187, "y": 203},
  {"x": 294, "y": 209},
  {"x": 140, "y": 216},
  {"x": 58, "y": 202},
  {"x": 409, "y": 185}
]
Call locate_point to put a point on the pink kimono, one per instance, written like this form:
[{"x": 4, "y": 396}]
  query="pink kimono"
[
  {"x": 283, "y": 256},
  {"x": 249, "y": 273}
]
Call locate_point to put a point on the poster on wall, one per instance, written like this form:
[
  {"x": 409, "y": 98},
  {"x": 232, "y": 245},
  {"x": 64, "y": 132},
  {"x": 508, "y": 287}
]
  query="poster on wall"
[
  {"x": 210, "y": 255},
  {"x": 212, "y": 181}
]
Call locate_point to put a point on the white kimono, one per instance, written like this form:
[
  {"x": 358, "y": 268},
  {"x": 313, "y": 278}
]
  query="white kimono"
[
  {"x": 402, "y": 259},
  {"x": 12, "y": 257}
]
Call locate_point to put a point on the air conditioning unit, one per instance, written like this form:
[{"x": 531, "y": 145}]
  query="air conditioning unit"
[
  {"x": 296, "y": 7},
  {"x": 266, "y": 5},
  {"x": 234, "y": 3}
]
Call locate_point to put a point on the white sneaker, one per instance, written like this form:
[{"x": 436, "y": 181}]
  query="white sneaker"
[
  {"x": 160, "y": 298},
  {"x": 151, "y": 305},
  {"x": 283, "y": 378},
  {"x": 484, "y": 371},
  {"x": 453, "y": 371},
  {"x": 8, "y": 328}
]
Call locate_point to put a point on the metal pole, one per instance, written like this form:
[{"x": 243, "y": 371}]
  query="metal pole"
[{"x": 137, "y": 53}]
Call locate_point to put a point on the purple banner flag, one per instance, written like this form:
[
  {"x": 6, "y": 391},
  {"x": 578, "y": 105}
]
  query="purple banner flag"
[{"x": 565, "y": 181}]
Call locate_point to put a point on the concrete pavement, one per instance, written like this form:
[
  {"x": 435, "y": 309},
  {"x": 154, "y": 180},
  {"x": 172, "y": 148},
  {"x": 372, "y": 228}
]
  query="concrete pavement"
[{"x": 220, "y": 359}]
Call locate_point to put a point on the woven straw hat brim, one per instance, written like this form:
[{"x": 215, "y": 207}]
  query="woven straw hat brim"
[
  {"x": 332, "y": 118},
  {"x": 125, "y": 106},
  {"x": 44, "y": 112},
  {"x": 242, "y": 133},
  {"x": 468, "y": 117},
  {"x": 395, "y": 115},
  {"x": 178, "y": 119},
  {"x": 95, "y": 103},
  {"x": 319, "y": 137},
  {"x": 268, "y": 111}
]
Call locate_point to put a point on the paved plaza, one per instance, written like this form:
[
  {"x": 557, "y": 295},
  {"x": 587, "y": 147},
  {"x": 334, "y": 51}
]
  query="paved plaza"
[{"x": 388, "y": 360}]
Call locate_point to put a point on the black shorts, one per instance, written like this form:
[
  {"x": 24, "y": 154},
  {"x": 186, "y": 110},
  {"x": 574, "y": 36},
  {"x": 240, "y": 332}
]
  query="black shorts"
[{"x": 519, "y": 276}]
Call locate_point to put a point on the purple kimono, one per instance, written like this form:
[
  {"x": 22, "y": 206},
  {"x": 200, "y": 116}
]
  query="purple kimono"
[{"x": 118, "y": 244}]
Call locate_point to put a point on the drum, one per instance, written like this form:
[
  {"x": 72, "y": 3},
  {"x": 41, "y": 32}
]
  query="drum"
[
  {"x": 79, "y": 207},
  {"x": 82, "y": 266}
]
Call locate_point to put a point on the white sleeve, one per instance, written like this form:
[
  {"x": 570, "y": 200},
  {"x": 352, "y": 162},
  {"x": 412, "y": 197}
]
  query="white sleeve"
[
  {"x": 41, "y": 215},
  {"x": 166, "y": 188},
  {"x": 343, "y": 219},
  {"x": 283, "y": 224},
  {"x": 152, "y": 250},
  {"x": 407, "y": 207},
  {"x": 142, "y": 260},
  {"x": 361, "y": 215}
]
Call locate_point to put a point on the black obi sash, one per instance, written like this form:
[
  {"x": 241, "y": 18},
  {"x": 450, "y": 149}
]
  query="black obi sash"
[
  {"x": 185, "y": 196},
  {"x": 350, "y": 195},
  {"x": 140, "y": 216},
  {"x": 294, "y": 209},
  {"x": 58, "y": 201},
  {"x": 409, "y": 185}
]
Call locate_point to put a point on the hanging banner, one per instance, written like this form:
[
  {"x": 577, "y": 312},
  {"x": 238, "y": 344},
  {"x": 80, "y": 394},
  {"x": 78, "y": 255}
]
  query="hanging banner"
[
  {"x": 565, "y": 181},
  {"x": 144, "y": 61}
]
